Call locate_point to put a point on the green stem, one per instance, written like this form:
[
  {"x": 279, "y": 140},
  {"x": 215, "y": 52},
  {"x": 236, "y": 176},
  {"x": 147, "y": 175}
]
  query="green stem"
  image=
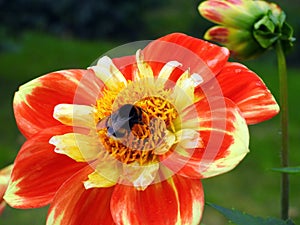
[{"x": 284, "y": 129}]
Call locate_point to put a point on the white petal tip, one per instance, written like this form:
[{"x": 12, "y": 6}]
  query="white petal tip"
[
  {"x": 59, "y": 151},
  {"x": 197, "y": 79},
  {"x": 53, "y": 141},
  {"x": 88, "y": 185}
]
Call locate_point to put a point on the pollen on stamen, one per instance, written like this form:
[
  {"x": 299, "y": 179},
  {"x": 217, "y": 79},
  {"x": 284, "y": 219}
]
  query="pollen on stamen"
[{"x": 140, "y": 144}]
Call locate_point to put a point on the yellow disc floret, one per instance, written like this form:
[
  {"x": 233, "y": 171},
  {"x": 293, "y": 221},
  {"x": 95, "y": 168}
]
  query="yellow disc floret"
[{"x": 139, "y": 143}]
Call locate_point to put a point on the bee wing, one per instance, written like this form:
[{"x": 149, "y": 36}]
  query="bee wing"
[
  {"x": 102, "y": 123},
  {"x": 121, "y": 123}
]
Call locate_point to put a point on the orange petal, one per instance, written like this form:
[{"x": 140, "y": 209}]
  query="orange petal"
[
  {"x": 35, "y": 101},
  {"x": 38, "y": 171},
  {"x": 174, "y": 201},
  {"x": 126, "y": 65},
  {"x": 225, "y": 138},
  {"x": 194, "y": 54},
  {"x": 249, "y": 92},
  {"x": 74, "y": 205}
]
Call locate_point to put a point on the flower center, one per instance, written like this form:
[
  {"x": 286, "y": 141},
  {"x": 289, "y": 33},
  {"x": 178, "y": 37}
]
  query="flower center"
[{"x": 138, "y": 133}]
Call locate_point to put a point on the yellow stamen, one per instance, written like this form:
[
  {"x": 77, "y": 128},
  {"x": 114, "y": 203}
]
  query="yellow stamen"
[
  {"x": 104, "y": 104},
  {"x": 141, "y": 142}
]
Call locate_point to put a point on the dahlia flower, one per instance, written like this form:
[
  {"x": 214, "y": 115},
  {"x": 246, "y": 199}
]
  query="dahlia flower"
[{"x": 94, "y": 162}]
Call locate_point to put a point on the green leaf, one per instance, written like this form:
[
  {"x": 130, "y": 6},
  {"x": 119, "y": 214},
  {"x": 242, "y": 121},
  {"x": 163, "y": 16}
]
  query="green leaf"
[
  {"x": 266, "y": 24},
  {"x": 264, "y": 30},
  {"x": 240, "y": 218},
  {"x": 287, "y": 37},
  {"x": 287, "y": 32},
  {"x": 290, "y": 170},
  {"x": 265, "y": 38},
  {"x": 272, "y": 27}
]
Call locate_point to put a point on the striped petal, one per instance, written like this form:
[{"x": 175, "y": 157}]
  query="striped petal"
[
  {"x": 38, "y": 171},
  {"x": 143, "y": 68},
  {"x": 225, "y": 139},
  {"x": 35, "y": 101},
  {"x": 249, "y": 92},
  {"x": 184, "y": 91},
  {"x": 189, "y": 138},
  {"x": 173, "y": 201},
  {"x": 4, "y": 179},
  {"x": 196, "y": 55},
  {"x": 80, "y": 147},
  {"x": 126, "y": 65},
  {"x": 106, "y": 174},
  {"x": 74, "y": 205},
  {"x": 107, "y": 72},
  {"x": 140, "y": 176},
  {"x": 75, "y": 115},
  {"x": 166, "y": 71}
]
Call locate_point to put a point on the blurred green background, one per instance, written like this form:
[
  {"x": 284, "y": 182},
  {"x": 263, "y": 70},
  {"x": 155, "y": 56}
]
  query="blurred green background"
[{"x": 39, "y": 36}]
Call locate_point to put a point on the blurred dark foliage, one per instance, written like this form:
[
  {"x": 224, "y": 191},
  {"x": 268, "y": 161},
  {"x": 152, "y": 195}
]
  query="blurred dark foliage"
[
  {"x": 89, "y": 19},
  {"x": 118, "y": 20}
]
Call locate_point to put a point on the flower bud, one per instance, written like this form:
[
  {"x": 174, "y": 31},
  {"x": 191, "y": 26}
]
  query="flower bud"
[{"x": 246, "y": 27}]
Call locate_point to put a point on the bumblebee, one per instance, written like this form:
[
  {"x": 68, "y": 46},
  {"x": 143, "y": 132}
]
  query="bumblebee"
[{"x": 121, "y": 122}]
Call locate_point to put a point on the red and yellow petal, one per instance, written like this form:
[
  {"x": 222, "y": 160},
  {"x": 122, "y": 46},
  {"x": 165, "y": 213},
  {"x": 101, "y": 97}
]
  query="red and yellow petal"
[
  {"x": 197, "y": 56},
  {"x": 4, "y": 179},
  {"x": 174, "y": 201},
  {"x": 108, "y": 73},
  {"x": 80, "y": 147},
  {"x": 126, "y": 65},
  {"x": 74, "y": 205},
  {"x": 35, "y": 101},
  {"x": 224, "y": 136},
  {"x": 38, "y": 171},
  {"x": 194, "y": 54},
  {"x": 249, "y": 92}
]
